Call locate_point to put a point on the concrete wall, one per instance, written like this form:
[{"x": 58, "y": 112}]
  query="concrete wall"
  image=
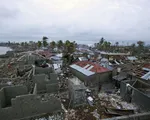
[
  {"x": 95, "y": 79},
  {"x": 52, "y": 88},
  {"x": 46, "y": 85},
  {"x": 29, "y": 105},
  {"x": 3, "y": 85},
  {"x": 53, "y": 78},
  {"x": 13, "y": 91},
  {"x": 77, "y": 94},
  {"x": 105, "y": 77},
  {"x": 141, "y": 100},
  {"x": 138, "y": 97},
  {"x": 41, "y": 80},
  {"x": 40, "y": 70},
  {"x": 2, "y": 98},
  {"x": 79, "y": 75}
]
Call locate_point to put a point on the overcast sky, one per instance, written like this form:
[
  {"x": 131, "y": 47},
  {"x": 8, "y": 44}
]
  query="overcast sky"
[{"x": 84, "y": 21}]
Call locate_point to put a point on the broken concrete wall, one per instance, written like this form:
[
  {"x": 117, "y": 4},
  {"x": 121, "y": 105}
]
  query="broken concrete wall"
[
  {"x": 40, "y": 70},
  {"x": 13, "y": 91},
  {"x": 46, "y": 85},
  {"x": 41, "y": 80},
  {"x": 12, "y": 112},
  {"x": 2, "y": 98},
  {"x": 53, "y": 78},
  {"x": 29, "y": 105},
  {"x": 138, "y": 97},
  {"x": 77, "y": 93},
  {"x": 52, "y": 88},
  {"x": 141, "y": 100},
  {"x": 122, "y": 89}
]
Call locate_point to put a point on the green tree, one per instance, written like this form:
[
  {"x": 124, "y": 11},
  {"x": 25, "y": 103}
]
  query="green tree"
[
  {"x": 102, "y": 41},
  {"x": 52, "y": 44},
  {"x": 140, "y": 46},
  {"x": 39, "y": 44},
  {"x": 69, "y": 46},
  {"x": 140, "y": 43},
  {"x": 60, "y": 44},
  {"x": 133, "y": 45},
  {"x": 72, "y": 47},
  {"x": 22, "y": 44},
  {"x": 117, "y": 43},
  {"x": 117, "y": 46},
  {"x": 109, "y": 45},
  {"x": 100, "y": 44},
  {"x": 105, "y": 45},
  {"x": 45, "y": 41},
  {"x": 133, "y": 48},
  {"x": 44, "y": 38},
  {"x": 25, "y": 44}
]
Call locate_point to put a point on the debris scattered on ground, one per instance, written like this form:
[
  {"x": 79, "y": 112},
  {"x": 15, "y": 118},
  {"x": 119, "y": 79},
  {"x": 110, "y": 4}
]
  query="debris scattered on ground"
[{"x": 115, "y": 101}]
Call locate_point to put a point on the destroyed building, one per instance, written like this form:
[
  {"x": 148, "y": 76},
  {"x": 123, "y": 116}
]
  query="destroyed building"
[
  {"x": 36, "y": 90},
  {"x": 136, "y": 91},
  {"x": 34, "y": 93},
  {"x": 16, "y": 103}
]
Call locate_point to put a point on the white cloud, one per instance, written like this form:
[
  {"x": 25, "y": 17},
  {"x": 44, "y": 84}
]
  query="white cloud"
[{"x": 81, "y": 20}]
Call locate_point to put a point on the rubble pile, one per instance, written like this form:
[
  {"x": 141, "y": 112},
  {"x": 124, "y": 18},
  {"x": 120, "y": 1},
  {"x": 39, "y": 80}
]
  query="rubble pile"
[
  {"x": 18, "y": 80},
  {"x": 54, "y": 116},
  {"x": 47, "y": 96},
  {"x": 80, "y": 113},
  {"x": 115, "y": 101}
]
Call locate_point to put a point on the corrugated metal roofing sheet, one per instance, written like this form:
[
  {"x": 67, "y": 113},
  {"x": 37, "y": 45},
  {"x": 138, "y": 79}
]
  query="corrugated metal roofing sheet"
[
  {"x": 94, "y": 67},
  {"x": 146, "y": 76},
  {"x": 147, "y": 66},
  {"x": 87, "y": 66},
  {"x": 131, "y": 58},
  {"x": 82, "y": 70},
  {"x": 90, "y": 67}
]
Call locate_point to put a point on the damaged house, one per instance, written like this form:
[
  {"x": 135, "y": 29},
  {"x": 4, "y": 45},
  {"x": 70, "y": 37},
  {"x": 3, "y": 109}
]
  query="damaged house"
[{"x": 92, "y": 74}]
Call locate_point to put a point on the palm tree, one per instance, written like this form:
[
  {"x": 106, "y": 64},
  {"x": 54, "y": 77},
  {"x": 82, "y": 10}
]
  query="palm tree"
[
  {"x": 108, "y": 45},
  {"x": 133, "y": 48},
  {"x": 45, "y": 38},
  {"x": 45, "y": 41},
  {"x": 26, "y": 44},
  {"x": 39, "y": 44},
  {"x": 60, "y": 44},
  {"x": 140, "y": 43},
  {"x": 140, "y": 46},
  {"x": 105, "y": 45},
  {"x": 102, "y": 41},
  {"x": 22, "y": 43},
  {"x": 117, "y": 44},
  {"x": 52, "y": 44},
  {"x": 69, "y": 46},
  {"x": 72, "y": 47}
]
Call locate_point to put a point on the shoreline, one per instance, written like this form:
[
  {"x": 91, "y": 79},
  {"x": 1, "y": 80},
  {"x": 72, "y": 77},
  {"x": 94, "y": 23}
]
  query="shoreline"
[{"x": 5, "y": 49}]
